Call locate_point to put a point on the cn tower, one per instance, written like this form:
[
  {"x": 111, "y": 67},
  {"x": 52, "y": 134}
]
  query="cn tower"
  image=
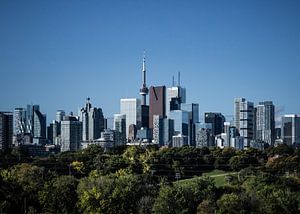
[{"x": 144, "y": 90}]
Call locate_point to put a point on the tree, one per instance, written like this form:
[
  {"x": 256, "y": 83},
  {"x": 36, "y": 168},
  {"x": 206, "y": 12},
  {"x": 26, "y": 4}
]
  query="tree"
[
  {"x": 206, "y": 207},
  {"x": 59, "y": 195},
  {"x": 235, "y": 204},
  {"x": 184, "y": 196},
  {"x": 112, "y": 194},
  {"x": 30, "y": 179}
]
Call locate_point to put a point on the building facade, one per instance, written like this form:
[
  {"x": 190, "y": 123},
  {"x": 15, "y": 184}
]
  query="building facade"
[
  {"x": 193, "y": 110},
  {"x": 120, "y": 128},
  {"x": 244, "y": 119},
  {"x": 265, "y": 122},
  {"x": 92, "y": 122},
  {"x": 157, "y": 103},
  {"x": 6, "y": 130},
  {"x": 217, "y": 122},
  {"x": 71, "y": 134},
  {"x": 181, "y": 121},
  {"x": 176, "y": 95},
  {"x": 132, "y": 109},
  {"x": 291, "y": 130},
  {"x": 20, "y": 124}
]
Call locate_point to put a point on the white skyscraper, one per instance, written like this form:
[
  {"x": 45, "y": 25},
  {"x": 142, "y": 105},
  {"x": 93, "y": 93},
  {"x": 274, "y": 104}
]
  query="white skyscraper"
[
  {"x": 244, "y": 119},
  {"x": 71, "y": 134},
  {"x": 265, "y": 122},
  {"x": 131, "y": 107}
]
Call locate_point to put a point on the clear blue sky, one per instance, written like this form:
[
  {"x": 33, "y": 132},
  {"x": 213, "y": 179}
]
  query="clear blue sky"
[{"x": 57, "y": 53}]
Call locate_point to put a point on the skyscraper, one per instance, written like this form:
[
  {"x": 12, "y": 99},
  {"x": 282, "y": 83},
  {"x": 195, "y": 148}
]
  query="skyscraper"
[
  {"x": 157, "y": 103},
  {"x": 291, "y": 130},
  {"x": 204, "y": 136},
  {"x": 30, "y": 120},
  {"x": 216, "y": 120},
  {"x": 6, "y": 130},
  {"x": 39, "y": 127},
  {"x": 244, "y": 119},
  {"x": 175, "y": 96},
  {"x": 131, "y": 107},
  {"x": 19, "y": 121},
  {"x": 163, "y": 130},
  {"x": 181, "y": 121},
  {"x": 120, "y": 128},
  {"x": 265, "y": 122},
  {"x": 60, "y": 115},
  {"x": 92, "y": 122},
  {"x": 193, "y": 110},
  {"x": 71, "y": 134}
]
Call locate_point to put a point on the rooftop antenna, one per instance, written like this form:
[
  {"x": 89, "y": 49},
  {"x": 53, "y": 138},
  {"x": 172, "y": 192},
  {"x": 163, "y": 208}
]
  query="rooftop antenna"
[
  {"x": 173, "y": 81},
  {"x": 178, "y": 78}
]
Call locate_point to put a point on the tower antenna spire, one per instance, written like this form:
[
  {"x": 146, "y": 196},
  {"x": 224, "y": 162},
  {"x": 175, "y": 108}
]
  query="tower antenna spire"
[
  {"x": 144, "y": 90},
  {"x": 178, "y": 78},
  {"x": 173, "y": 81}
]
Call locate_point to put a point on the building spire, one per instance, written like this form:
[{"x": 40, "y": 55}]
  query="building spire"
[
  {"x": 144, "y": 89},
  {"x": 144, "y": 61}
]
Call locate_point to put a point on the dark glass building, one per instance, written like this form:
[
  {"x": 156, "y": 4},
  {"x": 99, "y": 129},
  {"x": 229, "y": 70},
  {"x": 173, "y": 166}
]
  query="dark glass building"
[
  {"x": 6, "y": 130},
  {"x": 157, "y": 102},
  {"x": 216, "y": 120}
]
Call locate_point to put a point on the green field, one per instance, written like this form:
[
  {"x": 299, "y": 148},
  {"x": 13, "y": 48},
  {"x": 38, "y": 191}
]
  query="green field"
[{"x": 219, "y": 177}]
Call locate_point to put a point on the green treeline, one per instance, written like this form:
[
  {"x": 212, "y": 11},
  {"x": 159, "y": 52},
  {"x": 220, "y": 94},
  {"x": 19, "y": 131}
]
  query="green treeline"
[{"x": 152, "y": 180}]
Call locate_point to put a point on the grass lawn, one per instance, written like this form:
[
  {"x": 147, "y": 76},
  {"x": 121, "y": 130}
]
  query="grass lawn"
[{"x": 218, "y": 176}]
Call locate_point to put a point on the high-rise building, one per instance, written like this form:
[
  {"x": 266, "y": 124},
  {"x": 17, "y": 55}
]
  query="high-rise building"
[
  {"x": 54, "y": 133},
  {"x": 19, "y": 121},
  {"x": 244, "y": 119},
  {"x": 132, "y": 131},
  {"x": 109, "y": 123},
  {"x": 291, "y": 130},
  {"x": 60, "y": 115},
  {"x": 30, "y": 117},
  {"x": 50, "y": 134},
  {"x": 71, "y": 134},
  {"x": 92, "y": 122},
  {"x": 168, "y": 131},
  {"x": 179, "y": 140},
  {"x": 39, "y": 125},
  {"x": 176, "y": 95},
  {"x": 181, "y": 121},
  {"x": 193, "y": 110},
  {"x": 132, "y": 109},
  {"x": 265, "y": 122},
  {"x": 216, "y": 120},
  {"x": 163, "y": 130},
  {"x": 157, "y": 102},
  {"x": 6, "y": 130},
  {"x": 120, "y": 128},
  {"x": 204, "y": 136},
  {"x": 145, "y": 116}
]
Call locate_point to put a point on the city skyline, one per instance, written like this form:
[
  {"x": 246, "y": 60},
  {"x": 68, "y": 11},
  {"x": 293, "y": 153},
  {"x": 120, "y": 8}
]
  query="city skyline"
[{"x": 52, "y": 57}]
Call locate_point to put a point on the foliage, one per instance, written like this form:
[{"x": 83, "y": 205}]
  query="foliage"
[
  {"x": 59, "y": 195},
  {"x": 183, "y": 197},
  {"x": 142, "y": 180},
  {"x": 111, "y": 194}
]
